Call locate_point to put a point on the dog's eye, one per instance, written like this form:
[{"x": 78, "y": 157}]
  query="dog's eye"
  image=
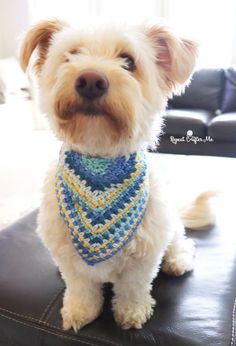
[
  {"x": 74, "y": 51},
  {"x": 129, "y": 62},
  {"x": 68, "y": 54}
]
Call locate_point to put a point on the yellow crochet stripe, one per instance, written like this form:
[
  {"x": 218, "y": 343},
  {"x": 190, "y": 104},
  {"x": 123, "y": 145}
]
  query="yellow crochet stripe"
[
  {"x": 109, "y": 252},
  {"x": 84, "y": 218},
  {"x": 83, "y": 215},
  {"x": 78, "y": 189}
]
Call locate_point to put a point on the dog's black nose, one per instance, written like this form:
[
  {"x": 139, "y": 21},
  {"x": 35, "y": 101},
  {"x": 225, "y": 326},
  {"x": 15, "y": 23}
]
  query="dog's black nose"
[{"x": 91, "y": 84}]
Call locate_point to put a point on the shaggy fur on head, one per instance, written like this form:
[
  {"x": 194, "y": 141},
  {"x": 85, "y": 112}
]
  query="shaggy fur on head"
[
  {"x": 162, "y": 63},
  {"x": 123, "y": 120}
]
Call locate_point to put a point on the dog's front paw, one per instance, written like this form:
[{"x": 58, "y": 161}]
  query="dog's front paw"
[
  {"x": 133, "y": 314},
  {"x": 77, "y": 313}
]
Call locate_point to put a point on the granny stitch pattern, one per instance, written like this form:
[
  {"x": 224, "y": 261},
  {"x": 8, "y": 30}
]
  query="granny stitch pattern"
[{"x": 101, "y": 200}]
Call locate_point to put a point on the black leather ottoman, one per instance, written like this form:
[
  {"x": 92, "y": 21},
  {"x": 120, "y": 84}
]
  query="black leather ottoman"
[{"x": 197, "y": 309}]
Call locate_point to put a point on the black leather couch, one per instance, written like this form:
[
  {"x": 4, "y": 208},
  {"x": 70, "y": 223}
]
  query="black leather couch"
[
  {"x": 193, "y": 310},
  {"x": 208, "y": 109}
]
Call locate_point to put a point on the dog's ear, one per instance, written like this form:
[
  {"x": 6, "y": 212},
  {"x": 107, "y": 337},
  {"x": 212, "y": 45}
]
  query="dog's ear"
[
  {"x": 39, "y": 36},
  {"x": 174, "y": 55}
]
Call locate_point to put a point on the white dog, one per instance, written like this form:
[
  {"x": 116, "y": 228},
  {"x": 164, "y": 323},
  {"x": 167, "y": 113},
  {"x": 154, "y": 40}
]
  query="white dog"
[{"x": 103, "y": 90}]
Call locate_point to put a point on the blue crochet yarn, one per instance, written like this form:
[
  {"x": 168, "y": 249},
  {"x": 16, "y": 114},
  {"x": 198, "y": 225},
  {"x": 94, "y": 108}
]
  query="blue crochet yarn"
[{"x": 101, "y": 200}]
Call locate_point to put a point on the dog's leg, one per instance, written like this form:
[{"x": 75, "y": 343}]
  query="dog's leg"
[
  {"x": 178, "y": 251},
  {"x": 83, "y": 297},
  {"x": 132, "y": 303},
  {"x": 179, "y": 256},
  {"x": 82, "y": 302}
]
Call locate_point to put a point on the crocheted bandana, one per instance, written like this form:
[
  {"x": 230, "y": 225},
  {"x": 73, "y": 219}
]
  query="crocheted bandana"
[{"x": 101, "y": 200}]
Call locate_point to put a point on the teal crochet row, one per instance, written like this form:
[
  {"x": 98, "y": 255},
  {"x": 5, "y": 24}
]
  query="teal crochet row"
[{"x": 101, "y": 200}]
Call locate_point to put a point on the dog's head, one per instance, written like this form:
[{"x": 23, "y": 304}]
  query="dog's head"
[{"x": 103, "y": 89}]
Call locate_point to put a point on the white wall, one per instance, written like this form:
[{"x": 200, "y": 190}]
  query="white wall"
[
  {"x": 234, "y": 37},
  {"x": 14, "y": 19},
  {"x": 213, "y": 30}
]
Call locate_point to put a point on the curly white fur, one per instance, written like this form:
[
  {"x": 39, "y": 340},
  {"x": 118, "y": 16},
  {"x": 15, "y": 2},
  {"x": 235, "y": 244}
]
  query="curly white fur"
[
  {"x": 164, "y": 62},
  {"x": 199, "y": 213}
]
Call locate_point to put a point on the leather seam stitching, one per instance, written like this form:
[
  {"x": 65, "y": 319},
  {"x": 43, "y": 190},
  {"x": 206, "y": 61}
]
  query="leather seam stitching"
[
  {"x": 24, "y": 316},
  {"x": 48, "y": 331},
  {"x": 50, "y": 304},
  {"x": 53, "y": 326},
  {"x": 233, "y": 324}
]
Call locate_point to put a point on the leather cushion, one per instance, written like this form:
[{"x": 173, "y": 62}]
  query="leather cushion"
[
  {"x": 192, "y": 310},
  {"x": 179, "y": 121},
  {"x": 223, "y": 127},
  {"x": 229, "y": 98},
  {"x": 204, "y": 92}
]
